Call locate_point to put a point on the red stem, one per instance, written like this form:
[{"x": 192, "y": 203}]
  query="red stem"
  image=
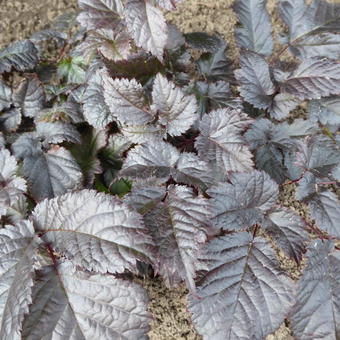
[{"x": 50, "y": 251}]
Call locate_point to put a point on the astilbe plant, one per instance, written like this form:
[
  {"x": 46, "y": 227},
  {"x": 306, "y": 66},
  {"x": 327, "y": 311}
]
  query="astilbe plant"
[{"x": 135, "y": 146}]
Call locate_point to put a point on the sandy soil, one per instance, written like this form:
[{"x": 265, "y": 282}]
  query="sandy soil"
[{"x": 20, "y": 18}]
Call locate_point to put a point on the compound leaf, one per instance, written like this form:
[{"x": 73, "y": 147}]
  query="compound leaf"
[
  {"x": 316, "y": 314},
  {"x": 274, "y": 143},
  {"x": 240, "y": 204},
  {"x": 162, "y": 160},
  {"x": 20, "y": 55},
  {"x": 176, "y": 111},
  {"x": 220, "y": 140},
  {"x": 147, "y": 26},
  {"x": 73, "y": 304},
  {"x": 255, "y": 33},
  {"x": 241, "y": 274},
  {"x": 18, "y": 251},
  {"x": 95, "y": 231}
]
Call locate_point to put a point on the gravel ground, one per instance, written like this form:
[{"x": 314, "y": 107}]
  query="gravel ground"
[{"x": 19, "y": 19}]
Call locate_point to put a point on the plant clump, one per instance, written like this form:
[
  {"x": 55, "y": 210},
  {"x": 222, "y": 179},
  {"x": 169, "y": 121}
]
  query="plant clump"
[{"x": 137, "y": 150}]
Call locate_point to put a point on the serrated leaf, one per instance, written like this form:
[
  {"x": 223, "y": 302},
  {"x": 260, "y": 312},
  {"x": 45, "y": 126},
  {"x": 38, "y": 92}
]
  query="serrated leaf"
[
  {"x": 314, "y": 78},
  {"x": 144, "y": 197},
  {"x": 147, "y": 26},
  {"x": 18, "y": 210},
  {"x": 192, "y": 170},
  {"x": 319, "y": 45},
  {"x": 18, "y": 250},
  {"x": 287, "y": 229},
  {"x": 68, "y": 112},
  {"x": 13, "y": 186},
  {"x": 117, "y": 145},
  {"x": 318, "y": 154},
  {"x": 293, "y": 13},
  {"x": 221, "y": 142},
  {"x": 168, "y": 4},
  {"x": 325, "y": 210},
  {"x": 71, "y": 304},
  {"x": 162, "y": 160},
  {"x": 256, "y": 31},
  {"x": 29, "y": 96},
  {"x": 325, "y": 110},
  {"x": 216, "y": 95},
  {"x": 240, "y": 204},
  {"x": 215, "y": 66},
  {"x": 204, "y": 41},
  {"x": 316, "y": 314},
  {"x": 5, "y": 96},
  {"x": 220, "y": 95},
  {"x": 179, "y": 226},
  {"x": 312, "y": 28},
  {"x": 96, "y": 111},
  {"x": 176, "y": 111},
  {"x": 99, "y": 13},
  {"x": 95, "y": 231},
  {"x": 125, "y": 101},
  {"x": 242, "y": 274},
  {"x": 256, "y": 87},
  {"x": 20, "y": 55},
  {"x": 48, "y": 174},
  {"x": 10, "y": 120},
  {"x": 8, "y": 171},
  {"x": 112, "y": 44},
  {"x": 282, "y": 105},
  {"x": 58, "y": 132}
]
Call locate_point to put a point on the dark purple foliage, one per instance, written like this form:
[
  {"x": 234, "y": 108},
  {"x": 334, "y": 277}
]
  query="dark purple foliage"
[{"x": 138, "y": 147}]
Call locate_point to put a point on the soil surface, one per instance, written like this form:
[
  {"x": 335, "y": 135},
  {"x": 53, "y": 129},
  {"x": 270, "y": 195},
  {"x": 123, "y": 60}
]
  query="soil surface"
[{"x": 20, "y": 18}]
